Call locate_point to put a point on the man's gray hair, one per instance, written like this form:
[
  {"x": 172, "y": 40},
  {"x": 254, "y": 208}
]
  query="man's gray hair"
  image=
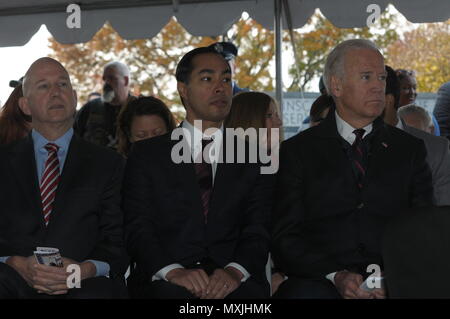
[
  {"x": 119, "y": 66},
  {"x": 415, "y": 109},
  {"x": 334, "y": 65}
]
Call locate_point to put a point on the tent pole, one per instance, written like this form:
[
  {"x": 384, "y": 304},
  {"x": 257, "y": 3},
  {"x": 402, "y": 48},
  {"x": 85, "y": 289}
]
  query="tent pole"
[{"x": 278, "y": 62}]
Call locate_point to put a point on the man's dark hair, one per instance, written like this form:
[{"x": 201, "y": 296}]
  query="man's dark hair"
[
  {"x": 393, "y": 85},
  {"x": 184, "y": 67}
]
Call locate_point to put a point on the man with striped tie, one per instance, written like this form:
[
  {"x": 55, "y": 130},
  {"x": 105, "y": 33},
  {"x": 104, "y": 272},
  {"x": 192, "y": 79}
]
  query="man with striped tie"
[
  {"x": 342, "y": 181},
  {"x": 58, "y": 191}
]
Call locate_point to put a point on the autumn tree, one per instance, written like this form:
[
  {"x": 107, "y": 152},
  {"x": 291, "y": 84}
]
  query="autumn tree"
[
  {"x": 313, "y": 46},
  {"x": 153, "y": 61},
  {"x": 426, "y": 50}
]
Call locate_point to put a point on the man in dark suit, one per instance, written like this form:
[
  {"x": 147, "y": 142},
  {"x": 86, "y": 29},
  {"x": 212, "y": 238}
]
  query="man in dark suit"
[
  {"x": 59, "y": 191},
  {"x": 342, "y": 181},
  {"x": 196, "y": 230}
]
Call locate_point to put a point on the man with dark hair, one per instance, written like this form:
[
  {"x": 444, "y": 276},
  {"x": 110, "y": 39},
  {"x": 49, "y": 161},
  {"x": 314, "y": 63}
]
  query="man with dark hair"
[
  {"x": 59, "y": 191},
  {"x": 438, "y": 154},
  {"x": 341, "y": 182},
  {"x": 189, "y": 235}
]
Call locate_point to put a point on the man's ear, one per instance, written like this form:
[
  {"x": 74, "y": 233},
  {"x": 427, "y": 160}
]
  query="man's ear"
[
  {"x": 336, "y": 86},
  {"x": 23, "y": 104},
  {"x": 75, "y": 97},
  {"x": 127, "y": 80},
  {"x": 389, "y": 101},
  {"x": 182, "y": 89}
]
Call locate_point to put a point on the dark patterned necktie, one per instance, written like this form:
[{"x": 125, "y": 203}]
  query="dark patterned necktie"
[
  {"x": 359, "y": 159},
  {"x": 49, "y": 180},
  {"x": 203, "y": 170}
]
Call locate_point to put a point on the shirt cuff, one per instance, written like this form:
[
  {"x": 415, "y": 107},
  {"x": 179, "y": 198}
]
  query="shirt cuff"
[
  {"x": 330, "y": 277},
  {"x": 241, "y": 269},
  {"x": 3, "y": 259},
  {"x": 161, "y": 275},
  {"x": 102, "y": 268}
]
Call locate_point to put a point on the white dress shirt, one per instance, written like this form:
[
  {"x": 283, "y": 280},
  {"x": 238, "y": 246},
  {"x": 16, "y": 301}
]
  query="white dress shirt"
[{"x": 194, "y": 136}]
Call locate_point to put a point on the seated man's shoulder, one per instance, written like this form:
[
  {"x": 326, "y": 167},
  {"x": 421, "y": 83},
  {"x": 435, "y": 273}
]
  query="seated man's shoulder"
[
  {"x": 303, "y": 138},
  {"x": 98, "y": 151},
  {"x": 429, "y": 138},
  {"x": 156, "y": 142},
  {"x": 402, "y": 137}
]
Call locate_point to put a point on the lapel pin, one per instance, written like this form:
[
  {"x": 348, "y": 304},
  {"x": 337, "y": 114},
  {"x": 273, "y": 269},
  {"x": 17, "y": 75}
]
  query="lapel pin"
[{"x": 384, "y": 144}]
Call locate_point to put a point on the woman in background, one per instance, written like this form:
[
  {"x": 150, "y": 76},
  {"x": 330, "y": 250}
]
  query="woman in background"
[
  {"x": 258, "y": 110},
  {"x": 143, "y": 118},
  {"x": 255, "y": 110},
  {"x": 408, "y": 94},
  {"x": 14, "y": 124}
]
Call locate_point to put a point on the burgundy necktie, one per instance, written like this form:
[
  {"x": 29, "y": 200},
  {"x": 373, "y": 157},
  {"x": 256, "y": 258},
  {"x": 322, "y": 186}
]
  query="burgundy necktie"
[
  {"x": 50, "y": 180},
  {"x": 359, "y": 156},
  {"x": 203, "y": 171}
]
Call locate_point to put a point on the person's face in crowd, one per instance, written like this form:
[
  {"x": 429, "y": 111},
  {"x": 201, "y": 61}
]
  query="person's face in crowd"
[
  {"x": 323, "y": 115},
  {"x": 361, "y": 90},
  {"x": 273, "y": 120},
  {"x": 207, "y": 96},
  {"x": 49, "y": 97},
  {"x": 408, "y": 90},
  {"x": 146, "y": 126},
  {"x": 115, "y": 88},
  {"x": 417, "y": 121}
]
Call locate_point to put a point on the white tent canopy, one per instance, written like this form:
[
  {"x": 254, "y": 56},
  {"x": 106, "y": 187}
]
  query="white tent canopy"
[{"x": 133, "y": 19}]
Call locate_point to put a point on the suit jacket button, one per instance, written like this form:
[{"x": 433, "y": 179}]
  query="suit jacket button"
[{"x": 361, "y": 205}]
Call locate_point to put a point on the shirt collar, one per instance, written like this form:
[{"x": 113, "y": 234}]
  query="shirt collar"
[
  {"x": 62, "y": 142},
  {"x": 194, "y": 139},
  {"x": 346, "y": 130}
]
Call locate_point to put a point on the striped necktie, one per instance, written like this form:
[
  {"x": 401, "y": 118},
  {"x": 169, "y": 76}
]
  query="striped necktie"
[
  {"x": 203, "y": 170},
  {"x": 359, "y": 156},
  {"x": 50, "y": 180}
]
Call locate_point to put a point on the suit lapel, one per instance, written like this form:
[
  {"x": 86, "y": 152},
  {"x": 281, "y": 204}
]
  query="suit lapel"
[
  {"x": 74, "y": 165},
  {"x": 185, "y": 173},
  {"x": 380, "y": 147},
  {"x": 23, "y": 163}
]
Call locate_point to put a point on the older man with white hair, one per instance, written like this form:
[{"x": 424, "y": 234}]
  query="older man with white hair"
[
  {"x": 342, "y": 181},
  {"x": 96, "y": 120}
]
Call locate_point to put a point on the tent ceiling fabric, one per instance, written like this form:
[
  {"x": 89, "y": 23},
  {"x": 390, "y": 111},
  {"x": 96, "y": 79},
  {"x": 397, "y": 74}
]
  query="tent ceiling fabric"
[{"x": 134, "y": 19}]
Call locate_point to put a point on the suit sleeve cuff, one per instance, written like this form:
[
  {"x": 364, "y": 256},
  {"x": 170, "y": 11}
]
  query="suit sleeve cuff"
[
  {"x": 241, "y": 269},
  {"x": 102, "y": 268},
  {"x": 330, "y": 277},
  {"x": 161, "y": 274},
  {"x": 3, "y": 259}
]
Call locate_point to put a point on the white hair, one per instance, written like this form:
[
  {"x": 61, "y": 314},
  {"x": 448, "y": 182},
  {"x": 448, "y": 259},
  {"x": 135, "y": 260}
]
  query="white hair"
[
  {"x": 119, "y": 66},
  {"x": 334, "y": 65},
  {"x": 415, "y": 109}
]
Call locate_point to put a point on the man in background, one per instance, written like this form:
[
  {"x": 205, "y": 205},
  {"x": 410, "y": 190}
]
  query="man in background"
[{"x": 96, "y": 121}]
